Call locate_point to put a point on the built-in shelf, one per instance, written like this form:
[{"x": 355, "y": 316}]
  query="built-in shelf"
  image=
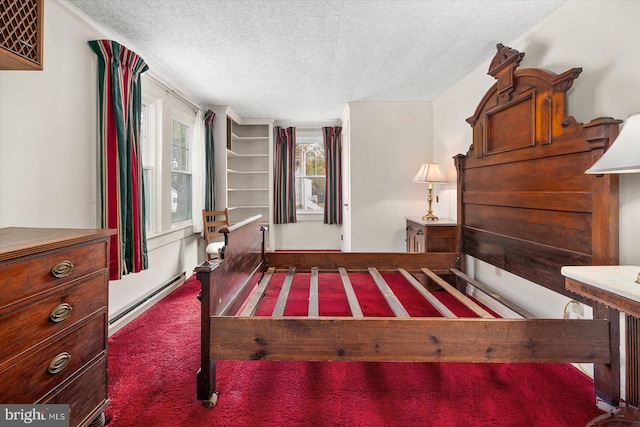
[
  {"x": 248, "y": 165},
  {"x": 230, "y": 171},
  {"x": 234, "y": 154}
]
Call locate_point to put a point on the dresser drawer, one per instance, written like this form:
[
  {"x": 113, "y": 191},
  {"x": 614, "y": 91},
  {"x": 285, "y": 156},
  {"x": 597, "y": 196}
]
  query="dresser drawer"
[
  {"x": 28, "y": 276},
  {"x": 86, "y": 394},
  {"x": 26, "y": 325},
  {"x": 30, "y": 378},
  {"x": 441, "y": 232},
  {"x": 441, "y": 245}
]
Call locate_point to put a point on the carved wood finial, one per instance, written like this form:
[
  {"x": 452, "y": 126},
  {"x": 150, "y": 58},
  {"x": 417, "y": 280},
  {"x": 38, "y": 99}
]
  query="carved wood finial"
[
  {"x": 502, "y": 68},
  {"x": 505, "y": 57}
]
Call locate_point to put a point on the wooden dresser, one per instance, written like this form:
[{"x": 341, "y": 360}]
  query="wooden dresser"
[
  {"x": 53, "y": 319},
  {"x": 430, "y": 236}
]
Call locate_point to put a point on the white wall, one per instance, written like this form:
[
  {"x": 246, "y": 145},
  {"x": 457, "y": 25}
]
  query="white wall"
[
  {"x": 309, "y": 233},
  {"x": 48, "y": 132},
  {"x": 48, "y": 152},
  {"x": 388, "y": 143}
]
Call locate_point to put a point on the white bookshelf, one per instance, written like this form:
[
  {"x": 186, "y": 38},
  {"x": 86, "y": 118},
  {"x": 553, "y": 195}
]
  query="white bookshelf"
[{"x": 248, "y": 170}]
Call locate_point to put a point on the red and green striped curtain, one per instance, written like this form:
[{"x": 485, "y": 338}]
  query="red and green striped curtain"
[
  {"x": 122, "y": 192},
  {"x": 284, "y": 175},
  {"x": 332, "y": 137},
  {"x": 210, "y": 165}
]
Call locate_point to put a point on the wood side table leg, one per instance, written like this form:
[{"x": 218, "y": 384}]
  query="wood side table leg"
[
  {"x": 632, "y": 408},
  {"x": 628, "y": 414}
]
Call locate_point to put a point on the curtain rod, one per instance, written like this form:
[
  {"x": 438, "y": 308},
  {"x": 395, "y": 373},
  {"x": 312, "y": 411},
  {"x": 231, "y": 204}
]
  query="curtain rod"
[
  {"x": 173, "y": 92},
  {"x": 308, "y": 125}
]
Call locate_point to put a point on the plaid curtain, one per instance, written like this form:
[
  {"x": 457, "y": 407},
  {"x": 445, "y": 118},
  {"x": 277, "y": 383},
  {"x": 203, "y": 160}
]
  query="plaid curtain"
[
  {"x": 122, "y": 192},
  {"x": 210, "y": 164},
  {"x": 332, "y": 137},
  {"x": 284, "y": 175}
]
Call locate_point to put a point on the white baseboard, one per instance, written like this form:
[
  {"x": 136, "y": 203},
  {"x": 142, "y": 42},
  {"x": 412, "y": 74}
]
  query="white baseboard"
[
  {"x": 492, "y": 303},
  {"x": 144, "y": 305}
]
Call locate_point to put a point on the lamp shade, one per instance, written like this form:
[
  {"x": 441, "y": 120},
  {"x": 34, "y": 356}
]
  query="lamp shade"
[
  {"x": 624, "y": 154},
  {"x": 430, "y": 172}
]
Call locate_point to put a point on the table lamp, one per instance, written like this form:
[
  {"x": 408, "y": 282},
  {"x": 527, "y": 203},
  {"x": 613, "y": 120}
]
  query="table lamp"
[
  {"x": 430, "y": 173},
  {"x": 623, "y": 156}
]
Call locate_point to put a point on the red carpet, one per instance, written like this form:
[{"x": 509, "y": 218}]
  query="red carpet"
[{"x": 153, "y": 361}]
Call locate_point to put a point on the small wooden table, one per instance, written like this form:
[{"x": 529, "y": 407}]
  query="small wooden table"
[
  {"x": 430, "y": 236},
  {"x": 615, "y": 287}
]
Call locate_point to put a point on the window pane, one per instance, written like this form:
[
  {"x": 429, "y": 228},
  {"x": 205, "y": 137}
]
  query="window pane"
[
  {"x": 147, "y": 174},
  {"x": 143, "y": 134},
  {"x": 310, "y": 176},
  {"x": 180, "y": 197},
  {"x": 310, "y": 193},
  {"x": 146, "y": 182},
  {"x": 180, "y": 177},
  {"x": 180, "y": 151}
]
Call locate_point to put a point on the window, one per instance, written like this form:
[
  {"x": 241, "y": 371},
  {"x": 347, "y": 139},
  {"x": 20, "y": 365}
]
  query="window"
[
  {"x": 166, "y": 150},
  {"x": 146, "y": 148},
  {"x": 180, "y": 173},
  {"x": 310, "y": 171}
]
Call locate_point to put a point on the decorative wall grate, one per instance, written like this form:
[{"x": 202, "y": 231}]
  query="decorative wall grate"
[{"x": 19, "y": 28}]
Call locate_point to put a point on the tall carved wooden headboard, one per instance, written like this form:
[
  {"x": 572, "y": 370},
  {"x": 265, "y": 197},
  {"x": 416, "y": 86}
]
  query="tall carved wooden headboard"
[{"x": 524, "y": 202}]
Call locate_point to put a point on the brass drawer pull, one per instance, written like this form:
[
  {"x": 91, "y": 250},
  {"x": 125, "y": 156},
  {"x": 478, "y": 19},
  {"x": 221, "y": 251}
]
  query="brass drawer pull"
[
  {"x": 59, "y": 363},
  {"x": 62, "y": 269},
  {"x": 60, "y": 313}
]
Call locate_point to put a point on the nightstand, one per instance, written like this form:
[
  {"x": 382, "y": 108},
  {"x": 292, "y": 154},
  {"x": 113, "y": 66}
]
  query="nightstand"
[
  {"x": 614, "y": 286},
  {"x": 430, "y": 236}
]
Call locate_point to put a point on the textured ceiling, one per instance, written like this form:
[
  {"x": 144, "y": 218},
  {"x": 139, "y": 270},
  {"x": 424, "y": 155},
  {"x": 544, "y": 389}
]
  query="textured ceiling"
[{"x": 303, "y": 60}]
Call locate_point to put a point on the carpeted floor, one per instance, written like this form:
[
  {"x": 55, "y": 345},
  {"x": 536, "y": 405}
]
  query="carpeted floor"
[{"x": 153, "y": 362}]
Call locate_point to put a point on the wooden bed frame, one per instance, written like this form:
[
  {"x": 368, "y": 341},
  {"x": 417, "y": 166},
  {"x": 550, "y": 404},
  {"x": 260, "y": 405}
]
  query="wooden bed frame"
[{"x": 524, "y": 205}]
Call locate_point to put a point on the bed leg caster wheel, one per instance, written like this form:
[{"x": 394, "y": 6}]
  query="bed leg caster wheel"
[{"x": 212, "y": 401}]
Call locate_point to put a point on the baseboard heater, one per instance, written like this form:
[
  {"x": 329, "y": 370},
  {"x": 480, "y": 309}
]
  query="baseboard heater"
[{"x": 142, "y": 301}]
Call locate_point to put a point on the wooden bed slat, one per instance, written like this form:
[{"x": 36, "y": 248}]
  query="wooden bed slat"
[
  {"x": 258, "y": 292},
  {"x": 442, "y": 309},
  {"x": 313, "y": 293},
  {"x": 391, "y": 298},
  {"x": 413, "y": 339},
  {"x": 511, "y": 306},
  {"x": 458, "y": 295},
  {"x": 278, "y": 310},
  {"x": 354, "y": 305}
]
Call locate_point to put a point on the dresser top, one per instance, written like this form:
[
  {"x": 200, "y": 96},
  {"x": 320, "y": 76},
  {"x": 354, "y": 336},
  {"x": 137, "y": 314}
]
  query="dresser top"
[
  {"x": 418, "y": 220},
  {"x": 21, "y": 241}
]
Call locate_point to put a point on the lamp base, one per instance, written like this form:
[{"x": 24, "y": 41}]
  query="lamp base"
[{"x": 429, "y": 217}]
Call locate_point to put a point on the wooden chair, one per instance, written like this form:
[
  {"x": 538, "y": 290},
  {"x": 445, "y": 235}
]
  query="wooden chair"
[{"x": 213, "y": 221}]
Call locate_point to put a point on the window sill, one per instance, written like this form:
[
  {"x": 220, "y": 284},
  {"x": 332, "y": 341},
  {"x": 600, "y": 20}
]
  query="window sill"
[
  {"x": 306, "y": 216},
  {"x": 163, "y": 238}
]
